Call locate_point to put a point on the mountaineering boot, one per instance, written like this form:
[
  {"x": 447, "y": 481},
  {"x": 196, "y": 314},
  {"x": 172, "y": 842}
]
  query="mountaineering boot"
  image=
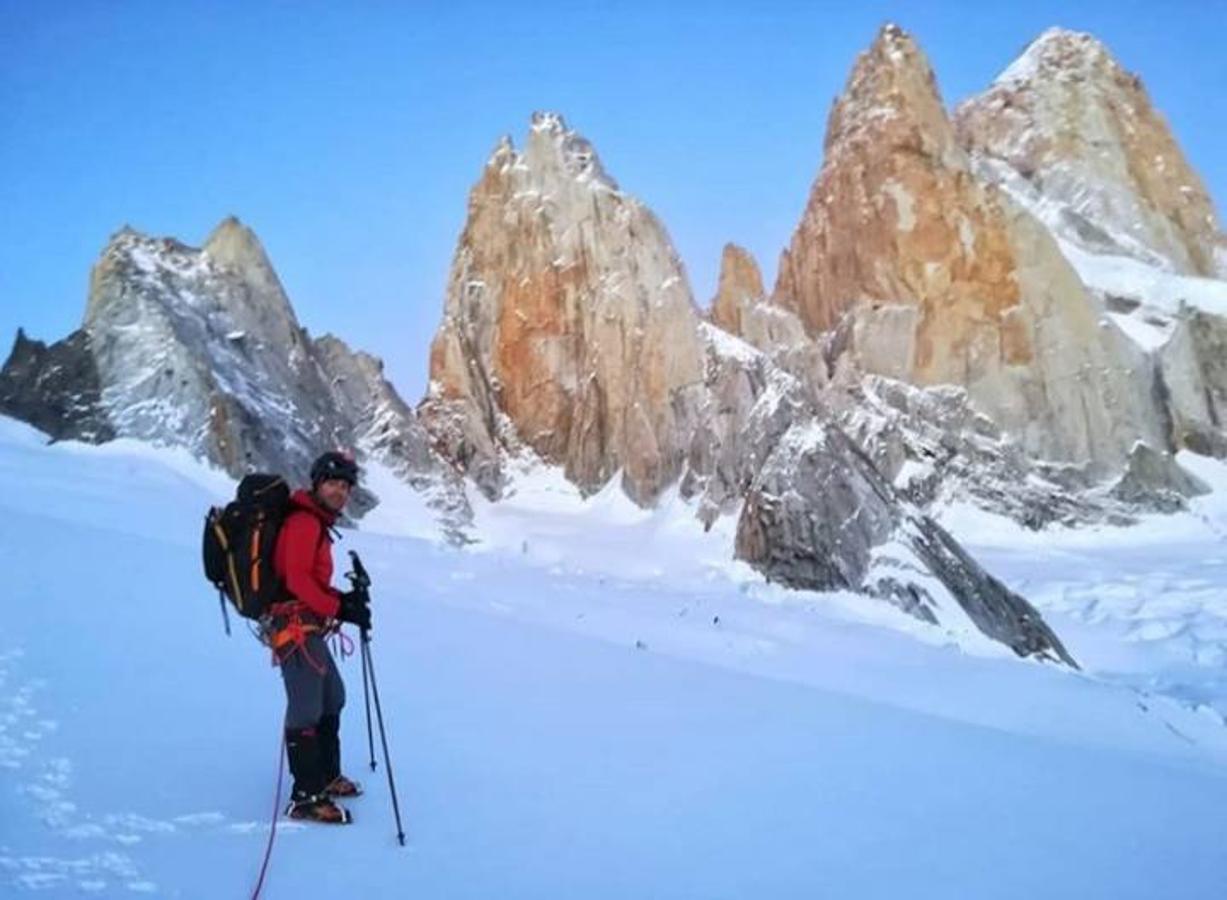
[
  {"x": 318, "y": 808},
  {"x": 343, "y": 787},
  {"x": 336, "y": 784},
  {"x": 308, "y": 802}
]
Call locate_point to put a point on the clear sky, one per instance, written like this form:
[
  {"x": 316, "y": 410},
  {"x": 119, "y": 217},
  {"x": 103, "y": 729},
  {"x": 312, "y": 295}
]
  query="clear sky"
[{"x": 348, "y": 134}]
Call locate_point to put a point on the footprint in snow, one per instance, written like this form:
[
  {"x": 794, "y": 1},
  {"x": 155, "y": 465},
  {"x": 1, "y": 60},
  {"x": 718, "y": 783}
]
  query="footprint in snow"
[{"x": 44, "y": 782}]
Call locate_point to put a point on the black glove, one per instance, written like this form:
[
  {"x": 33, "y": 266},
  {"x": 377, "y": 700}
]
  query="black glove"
[{"x": 355, "y": 610}]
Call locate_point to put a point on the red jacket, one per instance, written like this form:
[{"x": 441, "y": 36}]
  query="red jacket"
[{"x": 302, "y": 558}]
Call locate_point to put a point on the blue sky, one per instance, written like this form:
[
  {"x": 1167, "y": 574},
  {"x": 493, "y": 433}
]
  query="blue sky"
[{"x": 348, "y": 134}]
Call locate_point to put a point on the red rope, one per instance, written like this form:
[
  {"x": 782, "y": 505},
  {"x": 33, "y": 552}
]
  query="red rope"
[
  {"x": 272, "y": 832},
  {"x": 299, "y": 646}
]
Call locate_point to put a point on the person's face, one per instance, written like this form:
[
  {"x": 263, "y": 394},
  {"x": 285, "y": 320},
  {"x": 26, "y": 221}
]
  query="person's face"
[{"x": 333, "y": 493}]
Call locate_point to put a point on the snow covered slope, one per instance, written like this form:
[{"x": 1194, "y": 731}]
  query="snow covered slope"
[{"x": 584, "y": 711}]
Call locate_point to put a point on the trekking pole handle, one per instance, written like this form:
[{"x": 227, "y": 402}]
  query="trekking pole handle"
[
  {"x": 359, "y": 576},
  {"x": 361, "y": 580}
]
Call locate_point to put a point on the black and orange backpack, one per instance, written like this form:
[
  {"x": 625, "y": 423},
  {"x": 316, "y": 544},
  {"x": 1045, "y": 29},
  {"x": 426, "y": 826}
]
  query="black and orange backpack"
[{"x": 239, "y": 539}]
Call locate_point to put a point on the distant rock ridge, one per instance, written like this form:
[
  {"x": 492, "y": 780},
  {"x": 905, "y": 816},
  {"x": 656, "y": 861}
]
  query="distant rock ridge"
[{"x": 200, "y": 348}]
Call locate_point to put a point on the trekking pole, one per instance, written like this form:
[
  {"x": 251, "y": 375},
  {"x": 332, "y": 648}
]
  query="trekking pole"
[
  {"x": 383, "y": 736},
  {"x": 362, "y": 581},
  {"x": 366, "y": 696}
]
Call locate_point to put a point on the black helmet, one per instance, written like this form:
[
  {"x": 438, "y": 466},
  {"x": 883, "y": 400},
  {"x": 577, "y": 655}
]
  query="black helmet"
[{"x": 335, "y": 464}]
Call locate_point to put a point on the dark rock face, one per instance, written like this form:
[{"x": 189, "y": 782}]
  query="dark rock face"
[
  {"x": 56, "y": 389},
  {"x": 386, "y": 428},
  {"x": 995, "y": 609},
  {"x": 1194, "y": 370},
  {"x": 815, "y": 512},
  {"x": 821, "y": 517},
  {"x": 747, "y": 403},
  {"x": 1210, "y": 335},
  {"x": 381, "y": 419},
  {"x": 1155, "y": 480}
]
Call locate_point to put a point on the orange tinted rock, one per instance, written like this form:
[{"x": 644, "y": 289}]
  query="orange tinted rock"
[
  {"x": 569, "y": 327},
  {"x": 941, "y": 279}
]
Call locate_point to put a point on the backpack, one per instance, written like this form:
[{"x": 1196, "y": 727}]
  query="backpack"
[{"x": 238, "y": 545}]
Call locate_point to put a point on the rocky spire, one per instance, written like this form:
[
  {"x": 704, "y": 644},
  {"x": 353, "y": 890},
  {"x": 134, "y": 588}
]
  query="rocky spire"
[
  {"x": 235, "y": 246},
  {"x": 1081, "y": 131},
  {"x": 554, "y": 153},
  {"x": 880, "y": 223},
  {"x": 740, "y": 307},
  {"x": 740, "y": 287},
  {"x": 569, "y": 326},
  {"x": 934, "y": 279}
]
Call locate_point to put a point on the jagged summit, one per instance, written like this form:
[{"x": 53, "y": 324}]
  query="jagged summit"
[
  {"x": 890, "y": 125},
  {"x": 896, "y": 47},
  {"x": 554, "y": 157},
  {"x": 504, "y": 152},
  {"x": 231, "y": 236},
  {"x": 544, "y": 120},
  {"x": 1074, "y": 136},
  {"x": 124, "y": 229},
  {"x": 236, "y": 246},
  {"x": 740, "y": 287},
  {"x": 230, "y": 223},
  {"x": 230, "y": 276},
  {"x": 1060, "y": 53},
  {"x": 739, "y": 274},
  {"x": 891, "y": 79}
]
